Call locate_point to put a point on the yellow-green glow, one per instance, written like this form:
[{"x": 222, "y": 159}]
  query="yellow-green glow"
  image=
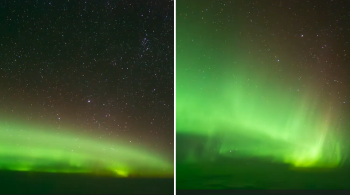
[
  {"x": 122, "y": 173},
  {"x": 25, "y": 148}
]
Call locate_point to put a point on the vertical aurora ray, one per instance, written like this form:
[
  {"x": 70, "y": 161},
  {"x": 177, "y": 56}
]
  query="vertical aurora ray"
[{"x": 25, "y": 148}]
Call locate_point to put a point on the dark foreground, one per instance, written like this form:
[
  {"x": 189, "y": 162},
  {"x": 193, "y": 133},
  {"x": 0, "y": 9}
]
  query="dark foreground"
[
  {"x": 255, "y": 176},
  {"x": 53, "y": 183},
  {"x": 205, "y": 169}
]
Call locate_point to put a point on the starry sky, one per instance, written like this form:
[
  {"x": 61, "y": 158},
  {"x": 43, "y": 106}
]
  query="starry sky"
[
  {"x": 101, "y": 72},
  {"x": 265, "y": 80}
]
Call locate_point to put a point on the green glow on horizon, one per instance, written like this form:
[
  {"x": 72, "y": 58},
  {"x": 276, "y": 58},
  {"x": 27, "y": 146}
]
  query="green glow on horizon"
[
  {"x": 290, "y": 128},
  {"x": 24, "y": 148},
  {"x": 228, "y": 96}
]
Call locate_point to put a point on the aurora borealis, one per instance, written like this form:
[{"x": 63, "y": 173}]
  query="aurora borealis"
[
  {"x": 23, "y": 148},
  {"x": 250, "y": 86},
  {"x": 87, "y": 97},
  {"x": 266, "y": 115}
]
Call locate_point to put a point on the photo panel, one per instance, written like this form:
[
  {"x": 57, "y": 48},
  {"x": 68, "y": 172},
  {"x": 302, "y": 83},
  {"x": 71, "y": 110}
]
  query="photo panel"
[
  {"x": 262, "y": 95},
  {"x": 87, "y": 97}
]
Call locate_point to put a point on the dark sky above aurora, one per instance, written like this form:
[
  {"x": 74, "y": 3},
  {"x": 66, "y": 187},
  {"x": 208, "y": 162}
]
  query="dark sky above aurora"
[
  {"x": 87, "y": 86},
  {"x": 262, "y": 80}
]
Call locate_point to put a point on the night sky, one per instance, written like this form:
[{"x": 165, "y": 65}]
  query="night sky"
[
  {"x": 262, "y": 86},
  {"x": 87, "y": 86}
]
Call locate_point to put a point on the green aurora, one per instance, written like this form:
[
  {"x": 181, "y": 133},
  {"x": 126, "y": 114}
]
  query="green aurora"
[
  {"x": 291, "y": 129},
  {"x": 226, "y": 94},
  {"x": 25, "y": 148}
]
